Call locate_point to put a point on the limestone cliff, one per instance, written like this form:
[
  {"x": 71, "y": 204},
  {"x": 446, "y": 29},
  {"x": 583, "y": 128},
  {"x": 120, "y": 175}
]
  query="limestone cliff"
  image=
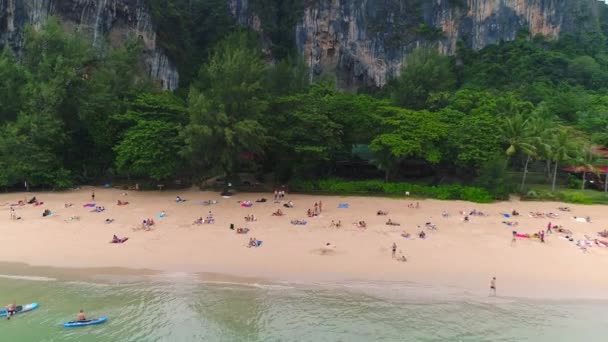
[
  {"x": 117, "y": 20},
  {"x": 365, "y": 41}
]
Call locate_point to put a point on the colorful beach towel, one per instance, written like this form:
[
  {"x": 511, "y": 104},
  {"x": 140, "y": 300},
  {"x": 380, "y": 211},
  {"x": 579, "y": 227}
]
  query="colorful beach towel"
[
  {"x": 89, "y": 205},
  {"x": 343, "y": 205},
  {"x": 160, "y": 216}
]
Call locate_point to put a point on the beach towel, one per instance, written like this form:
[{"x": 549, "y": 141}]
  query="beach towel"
[
  {"x": 180, "y": 201},
  {"x": 343, "y": 206},
  {"x": 524, "y": 236},
  {"x": 580, "y": 219},
  {"x": 245, "y": 205},
  {"x": 89, "y": 205},
  {"x": 506, "y": 215},
  {"x": 259, "y": 243},
  {"x": 160, "y": 216}
]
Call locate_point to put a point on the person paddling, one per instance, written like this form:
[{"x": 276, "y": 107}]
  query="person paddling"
[
  {"x": 80, "y": 317},
  {"x": 11, "y": 309}
]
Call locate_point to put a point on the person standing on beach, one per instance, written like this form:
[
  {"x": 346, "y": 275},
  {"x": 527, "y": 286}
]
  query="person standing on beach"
[
  {"x": 542, "y": 236},
  {"x": 394, "y": 249},
  {"x": 514, "y": 239},
  {"x": 549, "y": 228},
  {"x": 320, "y": 206},
  {"x": 93, "y": 195},
  {"x": 493, "y": 286}
]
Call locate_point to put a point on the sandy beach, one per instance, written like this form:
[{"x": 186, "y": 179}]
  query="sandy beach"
[{"x": 458, "y": 253}]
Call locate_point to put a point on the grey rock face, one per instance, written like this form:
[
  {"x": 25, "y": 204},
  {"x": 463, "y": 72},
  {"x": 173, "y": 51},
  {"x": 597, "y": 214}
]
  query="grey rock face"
[
  {"x": 364, "y": 42},
  {"x": 99, "y": 19}
]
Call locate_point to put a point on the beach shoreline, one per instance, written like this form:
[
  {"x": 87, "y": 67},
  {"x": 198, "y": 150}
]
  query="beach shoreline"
[{"x": 459, "y": 254}]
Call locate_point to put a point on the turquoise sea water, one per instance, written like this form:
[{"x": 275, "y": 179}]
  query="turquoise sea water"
[{"x": 183, "y": 307}]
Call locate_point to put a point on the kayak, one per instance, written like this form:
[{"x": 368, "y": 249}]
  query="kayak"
[
  {"x": 20, "y": 309},
  {"x": 75, "y": 324}
]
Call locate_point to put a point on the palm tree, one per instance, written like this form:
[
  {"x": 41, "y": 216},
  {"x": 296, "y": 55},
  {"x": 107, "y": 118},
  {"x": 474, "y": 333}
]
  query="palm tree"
[
  {"x": 517, "y": 132},
  {"x": 561, "y": 149},
  {"x": 586, "y": 161}
]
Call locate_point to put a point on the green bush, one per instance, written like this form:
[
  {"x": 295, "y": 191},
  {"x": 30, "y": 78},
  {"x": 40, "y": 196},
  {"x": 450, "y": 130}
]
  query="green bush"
[
  {"x": 575, "y": 197},
  {"x": 442, "y": 192}
]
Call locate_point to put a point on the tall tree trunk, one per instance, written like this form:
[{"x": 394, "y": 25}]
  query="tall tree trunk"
[
  {"x": 548, "y": 169},
  {"x": 523, "y": 180},
  {"x": 606, "y": 182},
  {"x": 386, "y": 174},
  {"x": 554, "y": 176},
  {"x": 584, "y": 178}
]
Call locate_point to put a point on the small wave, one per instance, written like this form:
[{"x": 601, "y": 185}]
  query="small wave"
[
  {"x": 22, "y": 277},
  {"x": 244, "y": 284}
]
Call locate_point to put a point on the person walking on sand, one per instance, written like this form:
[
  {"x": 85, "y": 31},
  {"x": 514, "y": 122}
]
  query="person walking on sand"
[
  {"x": 320, "y": 206},
  {"x": 549, "y": 226},
  {"x": 493, "y": 286},
  {"x": 514, "y": 239},
  {"x": 93, "y": 195},
  {"x": 394, "y": 249}
]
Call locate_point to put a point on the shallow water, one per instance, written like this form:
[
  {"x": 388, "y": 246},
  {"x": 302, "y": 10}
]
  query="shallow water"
[{"x": 184, "y": 307}]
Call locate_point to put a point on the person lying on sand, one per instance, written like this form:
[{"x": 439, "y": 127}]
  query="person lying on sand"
[
  {"x": 242, "y": 230},
  {"x": 11, "y": 309},
  {"x": 422, "y": 234},
  {"x": 445, "y": 214},
  {"x": 179, "y": 200},
  {"x": 510, "y": 224},
  {"x": 46, "y": 213},
  {"x": 430, "y": 226},
  {"x": 250, "y": 218},
  {"x": 335, "y": 224},
  {"x": 109, "y": 220},
  {"x": 514, "y": 213},
  {"x": 563, "y": 208},
  {"x": 288, "y": 204},
  {"x": 119, "y": 202},
  {"x": 382, "y": 213},
  {"x": 253, "y": 242},
  {"x": 261, "y": 200},
  {"x": 298, "y": 222},
  {"x": 198, "y": 221},
  {"x": 279, "y": 212},
  {"x": 401, "y": 258},
  {"x": 391, "y": 223},
  {"x": 67, "y": 205},
  {"x": 72, "y": 218},
  {"x": 361, "y": 224},
  {"x": 603, "y": 233},
  {"x": 116, "y": 239}
]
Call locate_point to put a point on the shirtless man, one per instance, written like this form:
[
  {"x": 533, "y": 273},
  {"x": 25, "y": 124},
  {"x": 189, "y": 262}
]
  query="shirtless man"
[
  {"x": 81, "y": 316},
  {"x": 11, "y": 309},
  {"x": 493, "y": 286}
]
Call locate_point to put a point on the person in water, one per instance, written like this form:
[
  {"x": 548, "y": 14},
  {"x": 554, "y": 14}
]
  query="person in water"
[
  {"x": 11, "y": 309},
  {"x": 81, "y": 316}
]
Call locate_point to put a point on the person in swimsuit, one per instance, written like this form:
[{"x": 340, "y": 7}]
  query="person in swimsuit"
[
  {"x": 81, "y": 316},
  {"x": 493, "y": 286},
  {"x": 394, "y": 249},
  {"x": 11, "y": 309}
]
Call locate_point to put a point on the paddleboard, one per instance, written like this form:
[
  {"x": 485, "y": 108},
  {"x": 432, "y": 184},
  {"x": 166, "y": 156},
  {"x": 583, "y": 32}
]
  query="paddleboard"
[
  {"x": 20, "y": 309},
  {"x": 75, "y": 324}
]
